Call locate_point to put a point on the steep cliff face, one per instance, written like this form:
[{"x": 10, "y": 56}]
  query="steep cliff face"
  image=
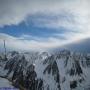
[
  {"x": 21, "y": 70},
  {"x": 62, "y": 70}
]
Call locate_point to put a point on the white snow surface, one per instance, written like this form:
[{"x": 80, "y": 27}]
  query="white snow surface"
[{"x": 5, "y": 83}]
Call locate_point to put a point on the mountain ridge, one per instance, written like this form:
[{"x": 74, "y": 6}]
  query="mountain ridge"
[{"x": 62, "y": 70}]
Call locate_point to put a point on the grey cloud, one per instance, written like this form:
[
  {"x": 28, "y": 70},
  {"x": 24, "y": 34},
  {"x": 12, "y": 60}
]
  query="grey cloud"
[{"x": 16, "y": 11}]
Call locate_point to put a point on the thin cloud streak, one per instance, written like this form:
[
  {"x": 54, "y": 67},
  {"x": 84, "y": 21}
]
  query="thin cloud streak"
[{"x": 21, "y": 43}]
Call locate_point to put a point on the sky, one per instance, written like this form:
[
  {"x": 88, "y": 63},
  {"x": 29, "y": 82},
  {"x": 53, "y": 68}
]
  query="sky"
[{"x": 43, "y": 24}]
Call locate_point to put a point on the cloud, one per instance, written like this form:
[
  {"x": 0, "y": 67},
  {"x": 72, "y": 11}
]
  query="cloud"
[
  {"x": 22, "y": 43},
  {"x": 53, "y": 21},
  {"x": 14, "y": 11},
  {"x": 74, "y": 25},
  {"x": 73, "y": 15}
]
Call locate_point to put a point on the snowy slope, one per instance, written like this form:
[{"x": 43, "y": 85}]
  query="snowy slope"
[
  {"x": 61, "y": 70},
  {"x": 72, "y": 68},
  {"x": 5, "y": 83}
]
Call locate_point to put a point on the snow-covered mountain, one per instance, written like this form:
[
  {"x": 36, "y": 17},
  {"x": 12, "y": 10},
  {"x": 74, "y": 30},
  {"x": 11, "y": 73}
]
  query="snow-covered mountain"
[{"x": 61, "y": 70}]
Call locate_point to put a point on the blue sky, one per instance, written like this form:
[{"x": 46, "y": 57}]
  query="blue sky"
[
  {"x": 29, "y": 30},
  {"x": 43, "y": 24}
]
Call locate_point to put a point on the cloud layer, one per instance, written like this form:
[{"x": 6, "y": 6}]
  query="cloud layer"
[
  {"x": 72, "y": 15},
  {"x": 14, "y": 11}
]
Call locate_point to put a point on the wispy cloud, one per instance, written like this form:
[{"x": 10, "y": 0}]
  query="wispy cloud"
[
  {"x": 22, "y": 43},
  {"x": 14, "y": 12},
  {"x": 54, "y": 21}
]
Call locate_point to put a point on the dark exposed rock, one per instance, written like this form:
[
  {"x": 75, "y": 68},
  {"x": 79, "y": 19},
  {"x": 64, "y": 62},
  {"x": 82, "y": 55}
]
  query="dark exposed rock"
[{"x": 73, "y": 84}]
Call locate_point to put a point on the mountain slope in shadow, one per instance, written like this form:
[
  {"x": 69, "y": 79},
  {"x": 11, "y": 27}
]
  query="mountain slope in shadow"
[{"x": 79, "y": 46}]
